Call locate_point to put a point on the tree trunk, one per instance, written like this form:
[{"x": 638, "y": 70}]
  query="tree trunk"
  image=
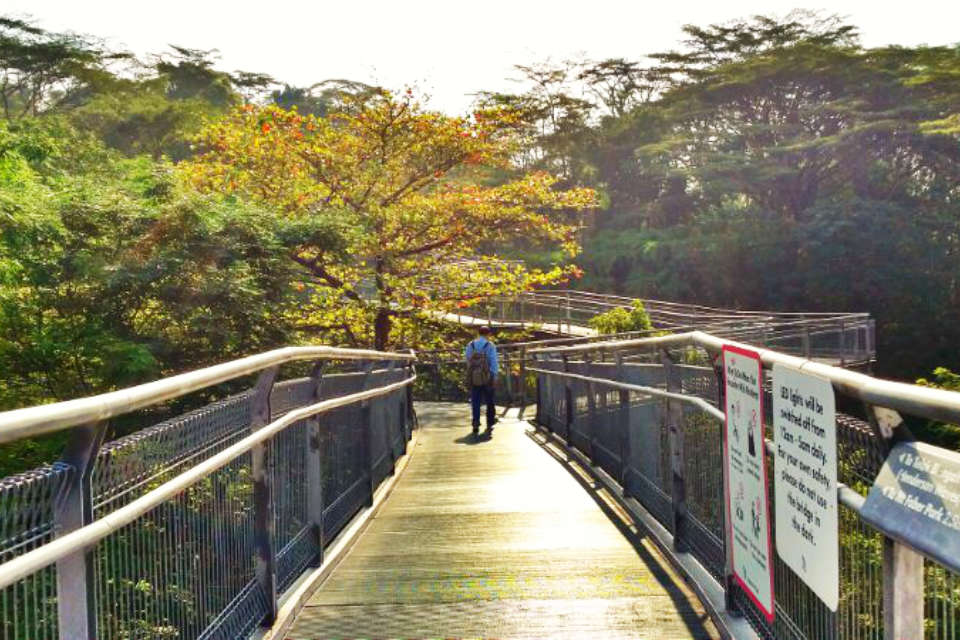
[{"x": 381, "y": 329}]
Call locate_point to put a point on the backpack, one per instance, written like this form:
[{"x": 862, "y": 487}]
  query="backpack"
[{"x": 478, "y": 367}]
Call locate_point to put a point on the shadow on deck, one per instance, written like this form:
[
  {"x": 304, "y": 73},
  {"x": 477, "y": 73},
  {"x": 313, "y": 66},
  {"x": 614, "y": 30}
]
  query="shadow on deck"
[{"x": 495, "y": 538}]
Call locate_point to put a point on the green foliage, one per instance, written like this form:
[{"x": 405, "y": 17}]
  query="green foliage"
[
  {"x": 110, "y": 275},
  {"x": 621, "y": 320},
  {"x": 939, "y": 433},
  {"x": 770, "y": 163}
]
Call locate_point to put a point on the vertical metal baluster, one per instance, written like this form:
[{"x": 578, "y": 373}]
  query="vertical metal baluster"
[
  {"x": 366, "y": 427},
  {"x": 623, "y": 426},
  {"x": 76, "y": 589},
  {"x": 314, "y": 461},
  {"x": 591, "y": 427},
  {"x": 677, "y": 458},
  {"x": 522, "y": 382},
  {"x": 264, "y": 521},
  {"x": 568, "y": 400}
]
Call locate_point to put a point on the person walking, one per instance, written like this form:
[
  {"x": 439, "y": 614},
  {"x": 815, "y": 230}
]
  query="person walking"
[{"x": 482, "y": 369}]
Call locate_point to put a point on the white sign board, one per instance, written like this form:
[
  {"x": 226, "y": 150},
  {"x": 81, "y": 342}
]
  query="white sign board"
[
  {"x": 744, "y": 457},
  {"x": 805, "y": 480}
]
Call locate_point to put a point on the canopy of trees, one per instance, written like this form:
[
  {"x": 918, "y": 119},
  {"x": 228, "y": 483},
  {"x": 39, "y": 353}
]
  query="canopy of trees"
[
  {"x": 770, "y": 164},
  {"x": 161, "y": 214}
]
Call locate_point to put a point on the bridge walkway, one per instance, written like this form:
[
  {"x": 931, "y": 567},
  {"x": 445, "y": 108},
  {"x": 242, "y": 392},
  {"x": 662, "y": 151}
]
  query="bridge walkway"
[{"x": 495, "y": 538}]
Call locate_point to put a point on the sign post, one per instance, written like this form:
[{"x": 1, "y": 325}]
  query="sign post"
[
  {"x": 805, "y": 480},
  {"x": 744, "y": 458}
]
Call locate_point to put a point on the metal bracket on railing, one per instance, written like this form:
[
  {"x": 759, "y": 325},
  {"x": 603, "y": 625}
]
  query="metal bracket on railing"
[
  {"x": 263, "y": 506},
  {"x": 314, "y": 463},
  {"x": 76, "y": 601}
]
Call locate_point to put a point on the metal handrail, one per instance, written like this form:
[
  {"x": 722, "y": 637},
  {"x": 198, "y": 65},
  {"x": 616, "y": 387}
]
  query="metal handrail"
[
  {"x": 927, "y": 402},
  {"x": 34, "y": 421},
  {"x": 847, "y": 496},
  {"x": 33, "y": 561}
]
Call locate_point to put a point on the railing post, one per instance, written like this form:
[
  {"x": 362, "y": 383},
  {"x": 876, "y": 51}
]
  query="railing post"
[
  {"x": 902, "y": 566},
  {"x": 391, "y": 367},
  {"x": 591, "y": 413},
  {"x": 568, "y": 401},
  {"x": 410, "y": 414},
  {"x": 623, "y": 423},
  {"x": 315, "y": 467},
  {"x": 902, "y": 591},
  {"x": 263, "y": 507},
  {"x": 677, "y": 459},
  {"x": 366, "y": 426},
  {"x": 522, "y": 382},
  {"x": 843, "y": 344},
  {"x": 729, "y": 584},
  {"x": 805, "y": 340},
  {"x": 76, "y": 590}
]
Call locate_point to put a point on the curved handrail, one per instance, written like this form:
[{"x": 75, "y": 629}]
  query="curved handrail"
[
  {"x": 32, "y": 561},
  {"x": 33, "y": 421},
  {"x": 927, "y": 402}
]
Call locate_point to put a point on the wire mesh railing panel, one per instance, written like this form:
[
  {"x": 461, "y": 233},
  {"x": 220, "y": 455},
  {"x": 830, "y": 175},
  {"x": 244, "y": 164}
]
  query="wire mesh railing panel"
[
  {"x": 345, "y": 467},
  {"x": 703, "y": 472},
  {"x": 187, "y": 567},
  {"x": 128, "y": 467},
  {"x": 647, "y": 476},
  {"x": 172, "y": 572},
  {"x": 290, "y": 394},
  {"x": 27, "y": 503},
  {"x": 863, "y": 550},
  {"x": 288, "y": 465},
  {"x": 942, "y": 603}
]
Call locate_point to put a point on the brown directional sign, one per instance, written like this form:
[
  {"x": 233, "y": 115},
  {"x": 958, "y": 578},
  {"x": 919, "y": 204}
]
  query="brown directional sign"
[{"x": 916, "y": 499}]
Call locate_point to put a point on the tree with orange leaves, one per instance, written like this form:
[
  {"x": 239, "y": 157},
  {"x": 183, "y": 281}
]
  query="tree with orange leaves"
[{"x": 417, "y": 200}]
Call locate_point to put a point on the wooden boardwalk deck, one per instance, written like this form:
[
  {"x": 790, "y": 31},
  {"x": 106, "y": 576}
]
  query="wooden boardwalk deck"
[{"x": 496, "y": 539}]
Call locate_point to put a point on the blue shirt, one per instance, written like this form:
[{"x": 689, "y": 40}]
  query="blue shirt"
[{"x": 484, "y": 346}]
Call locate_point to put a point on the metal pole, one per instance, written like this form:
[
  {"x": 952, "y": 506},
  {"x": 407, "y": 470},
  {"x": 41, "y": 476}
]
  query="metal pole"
[
  {"x": 902, "y": 591},
  {"x": 263, "y": 507},
  {"x": 568, "y": 401},
  {"x": 677, "y": 459},
  {"x": 623, "y": 415},
  {"x": 522, "y": 383},
  {"x": 391, "y": 367},
  {"x": 73, "y": 509},
  {"x": 591, "y": 414},
  {"x": 729, "y": 584},
  {"x": 843, "y": 344},
  {"x": 315, "y": 468},
  {"x": 366, "y": 426}
]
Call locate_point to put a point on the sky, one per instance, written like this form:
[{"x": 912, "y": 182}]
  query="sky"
[{"x": 446, "y": 49}]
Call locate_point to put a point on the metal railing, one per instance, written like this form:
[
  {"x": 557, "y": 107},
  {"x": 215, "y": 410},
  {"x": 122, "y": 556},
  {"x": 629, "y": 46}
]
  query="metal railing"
[
  {"x": 846, "y": 339},
  {"x": 648, "y": 413},
  {"x": 191, "y": 527}
]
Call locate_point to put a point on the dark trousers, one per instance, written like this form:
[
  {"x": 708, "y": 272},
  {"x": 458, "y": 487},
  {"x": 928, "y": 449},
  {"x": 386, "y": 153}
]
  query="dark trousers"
[{"x": 479, "y": 395}]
